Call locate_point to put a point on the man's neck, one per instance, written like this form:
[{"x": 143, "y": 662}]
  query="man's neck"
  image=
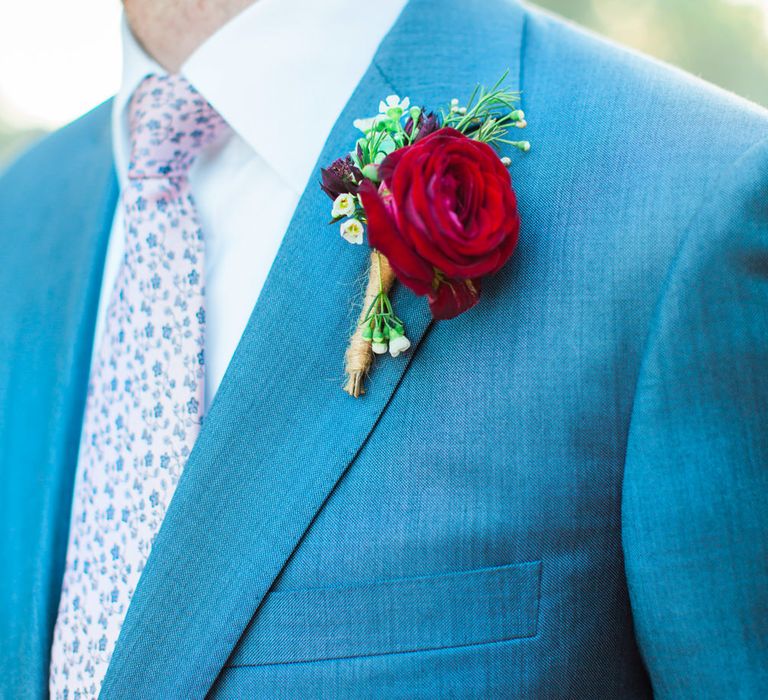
[{"x": 171, "y": 30}]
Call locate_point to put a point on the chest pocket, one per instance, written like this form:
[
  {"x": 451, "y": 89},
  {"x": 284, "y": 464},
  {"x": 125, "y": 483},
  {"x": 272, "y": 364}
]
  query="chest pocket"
[{"x": 397, "y": 615}]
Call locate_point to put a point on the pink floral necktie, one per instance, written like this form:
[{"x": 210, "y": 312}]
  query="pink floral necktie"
[{"x": 145, "y": 396}]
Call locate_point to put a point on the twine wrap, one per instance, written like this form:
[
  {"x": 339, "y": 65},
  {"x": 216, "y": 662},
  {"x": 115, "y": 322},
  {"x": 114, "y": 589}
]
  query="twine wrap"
[{"x": 359, "y": 356}]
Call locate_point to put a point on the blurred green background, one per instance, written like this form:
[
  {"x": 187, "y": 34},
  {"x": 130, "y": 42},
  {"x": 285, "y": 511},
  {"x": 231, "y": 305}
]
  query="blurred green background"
[{"x": 723, "y": 41}]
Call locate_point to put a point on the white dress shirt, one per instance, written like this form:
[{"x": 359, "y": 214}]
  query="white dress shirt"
[{"x": 279, "y": 73}]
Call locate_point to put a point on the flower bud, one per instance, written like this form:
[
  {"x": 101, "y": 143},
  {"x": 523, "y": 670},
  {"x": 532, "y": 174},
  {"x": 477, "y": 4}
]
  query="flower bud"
[
  {"x": 371, "y": 172},
  {"x": 398, "y": 345}
]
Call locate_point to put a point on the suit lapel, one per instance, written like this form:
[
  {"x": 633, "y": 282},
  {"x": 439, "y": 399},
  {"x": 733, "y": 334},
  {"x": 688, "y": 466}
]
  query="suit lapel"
[
  {"x": 50, "y": 287},
  {"x": 280, "y": 432}
]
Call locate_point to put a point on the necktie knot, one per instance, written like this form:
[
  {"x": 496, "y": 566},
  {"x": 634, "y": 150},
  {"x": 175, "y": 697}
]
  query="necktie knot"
[{"x": 170, "y": 124}]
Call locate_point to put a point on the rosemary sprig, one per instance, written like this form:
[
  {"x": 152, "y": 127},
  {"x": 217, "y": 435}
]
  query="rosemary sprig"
[{"x": 488, "y": 115}]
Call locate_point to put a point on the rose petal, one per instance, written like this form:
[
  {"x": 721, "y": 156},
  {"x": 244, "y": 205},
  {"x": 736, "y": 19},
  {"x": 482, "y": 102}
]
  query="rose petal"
[
  {"x": 383, "y": 235},
  {"x": 453, "y": 297}
]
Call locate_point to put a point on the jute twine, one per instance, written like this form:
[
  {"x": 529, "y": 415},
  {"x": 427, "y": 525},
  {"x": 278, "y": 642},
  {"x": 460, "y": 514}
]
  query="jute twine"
[{"x": 359, "y": 356}]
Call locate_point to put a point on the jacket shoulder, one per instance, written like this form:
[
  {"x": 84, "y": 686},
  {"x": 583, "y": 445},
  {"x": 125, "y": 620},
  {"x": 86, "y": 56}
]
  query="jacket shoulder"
[
  {"x": 54, "y": 160},
  {"x": 621, "y": 85},
  {"x": 56, "y": 206}
]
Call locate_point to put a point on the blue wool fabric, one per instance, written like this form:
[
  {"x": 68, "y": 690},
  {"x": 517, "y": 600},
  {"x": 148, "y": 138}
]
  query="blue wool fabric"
[{"x": 559, "y": 494}]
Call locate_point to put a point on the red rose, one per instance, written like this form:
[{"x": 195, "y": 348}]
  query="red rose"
[{"x": 445, "y": 215}]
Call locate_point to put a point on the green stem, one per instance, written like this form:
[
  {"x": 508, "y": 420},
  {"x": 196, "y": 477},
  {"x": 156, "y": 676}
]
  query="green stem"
[{"x": 381, "y": 282}]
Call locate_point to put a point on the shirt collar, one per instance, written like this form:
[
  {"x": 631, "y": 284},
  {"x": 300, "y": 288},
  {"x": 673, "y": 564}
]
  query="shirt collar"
[
  {"x": 279, "y": 73},
  {"x": 137, "y": 64}
]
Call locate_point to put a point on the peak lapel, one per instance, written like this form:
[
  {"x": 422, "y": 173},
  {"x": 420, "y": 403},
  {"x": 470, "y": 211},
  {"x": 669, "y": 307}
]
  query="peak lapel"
[
  {"x": 441, "y": 49},
  {"x": 280, "y": 432}
]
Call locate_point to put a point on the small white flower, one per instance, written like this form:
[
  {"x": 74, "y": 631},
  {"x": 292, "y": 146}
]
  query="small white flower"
[
  {"x": 343, "y": 205},
  {"x": 398, "y": 344},
  {"x": 394, "y": 107},
  {"x": 352, "y": 231},
  {"x": 506, "y": 161},
  {"x": 379, "y": 348},
  {"x": 455, "y": 102}
]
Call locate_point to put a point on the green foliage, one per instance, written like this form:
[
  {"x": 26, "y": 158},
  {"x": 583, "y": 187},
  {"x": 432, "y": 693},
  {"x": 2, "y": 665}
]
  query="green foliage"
[{"x": 488, "y": 115}]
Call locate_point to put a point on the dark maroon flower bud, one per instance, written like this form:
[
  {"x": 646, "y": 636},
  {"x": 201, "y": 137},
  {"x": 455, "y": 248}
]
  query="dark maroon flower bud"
[
  {"x": 342, "y": 177},
  {"x": 428, "y": 122}
]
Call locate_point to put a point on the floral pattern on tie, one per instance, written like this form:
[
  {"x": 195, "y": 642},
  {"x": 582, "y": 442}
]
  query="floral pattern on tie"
[{"x": 145, "y": 395}]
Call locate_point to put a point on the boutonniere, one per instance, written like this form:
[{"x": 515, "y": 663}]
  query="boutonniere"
[{"x": 437, "y": 203}]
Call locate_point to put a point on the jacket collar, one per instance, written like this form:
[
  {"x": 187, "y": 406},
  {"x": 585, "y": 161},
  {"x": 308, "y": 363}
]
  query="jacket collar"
[{"x": 267, "y": 458}]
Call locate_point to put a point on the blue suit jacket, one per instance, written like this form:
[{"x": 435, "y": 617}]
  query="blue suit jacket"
[{"x": 560, "y": 494}]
